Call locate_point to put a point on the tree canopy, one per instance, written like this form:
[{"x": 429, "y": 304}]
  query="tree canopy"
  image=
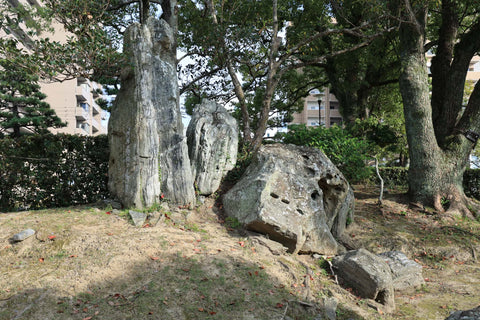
[{"x": 252, "y": 48}]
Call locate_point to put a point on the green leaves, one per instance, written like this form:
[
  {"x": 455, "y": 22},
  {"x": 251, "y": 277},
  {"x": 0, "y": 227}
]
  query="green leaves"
[
  {"x": 41, "y": 171},
  {"x": 348, "y": 153},
  {"x": 21, "y": 102}
]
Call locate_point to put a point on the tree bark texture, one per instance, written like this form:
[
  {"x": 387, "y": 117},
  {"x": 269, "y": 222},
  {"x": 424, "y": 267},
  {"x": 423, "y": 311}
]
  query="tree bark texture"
[{"x": 438, "y": 159}]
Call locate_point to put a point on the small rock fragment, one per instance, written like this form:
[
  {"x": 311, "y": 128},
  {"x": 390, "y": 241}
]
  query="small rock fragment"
[
  {"x": 23, "y": 235},
  {"x": 138, "y": 218}
]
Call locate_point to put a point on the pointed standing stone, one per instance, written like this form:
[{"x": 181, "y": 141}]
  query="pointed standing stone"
[{"x": 148, "y": 151}]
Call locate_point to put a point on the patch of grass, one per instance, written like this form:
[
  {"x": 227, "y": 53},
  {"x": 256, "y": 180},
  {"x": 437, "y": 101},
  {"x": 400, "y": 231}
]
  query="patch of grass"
[
  {"x": 324, "y": 266},
  {"x": 423, "y": 288},
  {"x": 195, "y": 228},
  {"x": 233, "y": 223}
]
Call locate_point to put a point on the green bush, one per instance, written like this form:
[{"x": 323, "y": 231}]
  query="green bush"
[
  {"x": 393, "y": 177},
  {"x": 42, "y": 171},
  {"x": 348, "y": 153},
  {"x": 471, "y": 183}
]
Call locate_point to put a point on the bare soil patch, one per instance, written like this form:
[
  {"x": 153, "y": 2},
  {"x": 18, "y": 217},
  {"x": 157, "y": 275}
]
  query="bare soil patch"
[{"x": 90, "y": 263}]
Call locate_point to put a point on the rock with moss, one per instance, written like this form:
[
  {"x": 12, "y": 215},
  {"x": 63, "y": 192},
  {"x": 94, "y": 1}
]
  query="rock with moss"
[
  {"x": 296, "y": 195},
  {"x": 212, "y": 138}
]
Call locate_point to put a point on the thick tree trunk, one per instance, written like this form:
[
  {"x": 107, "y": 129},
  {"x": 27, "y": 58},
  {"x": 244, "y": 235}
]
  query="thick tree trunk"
[{"x": 435, "y": 174}]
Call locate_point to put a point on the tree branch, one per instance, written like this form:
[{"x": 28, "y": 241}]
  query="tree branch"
[{"x": 200, "y": 77}]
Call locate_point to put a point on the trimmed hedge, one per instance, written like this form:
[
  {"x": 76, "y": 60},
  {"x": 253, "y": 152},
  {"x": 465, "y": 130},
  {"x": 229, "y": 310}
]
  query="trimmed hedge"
[
  {"x": 43, "y": 171},
  {"x": 398, "y": 177}
]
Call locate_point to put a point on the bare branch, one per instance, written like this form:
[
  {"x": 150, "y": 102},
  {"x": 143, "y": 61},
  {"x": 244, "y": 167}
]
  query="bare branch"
[{"x": 200, "y": 77}]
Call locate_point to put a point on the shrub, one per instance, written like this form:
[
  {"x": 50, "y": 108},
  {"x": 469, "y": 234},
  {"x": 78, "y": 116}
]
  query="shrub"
[
  {"x": 41, "y": 171},
  {"x": 392, "y": 176},
  {"x": 471, "y": 183},
  {"x": 348, "y": 153}
]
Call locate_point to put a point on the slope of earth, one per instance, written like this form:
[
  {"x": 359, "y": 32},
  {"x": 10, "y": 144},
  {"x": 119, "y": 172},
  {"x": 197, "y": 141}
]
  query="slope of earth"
[{"x": 91, "y": 263}]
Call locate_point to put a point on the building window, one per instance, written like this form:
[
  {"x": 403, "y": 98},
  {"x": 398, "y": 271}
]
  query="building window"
[
  {"x": 84, "y": 106},
  {"x": 313, "y": 122},
  {"x": 312, "y": 105}
]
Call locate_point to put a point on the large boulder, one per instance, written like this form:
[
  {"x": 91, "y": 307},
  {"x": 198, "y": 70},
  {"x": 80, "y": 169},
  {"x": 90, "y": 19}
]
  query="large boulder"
[
  {"x": 368, "y": 275},
  {"x": 294, "y": 194},
  {"x": 148, "y": 151},
  {"x": 212, "y": 138}
]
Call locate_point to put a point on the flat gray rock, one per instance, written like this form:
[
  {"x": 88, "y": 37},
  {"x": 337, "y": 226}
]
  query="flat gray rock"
[
  {"x": 22, "y": 235},
  {"x": 368, "y": 275},
  {"x": 138, "y": 218},
  {"x": 406, "y": 273}
]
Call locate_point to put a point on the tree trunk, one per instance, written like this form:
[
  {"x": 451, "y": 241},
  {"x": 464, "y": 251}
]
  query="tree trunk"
[
  {"x": 272, "y": 82},
  {"x": 435, "y": 174}
]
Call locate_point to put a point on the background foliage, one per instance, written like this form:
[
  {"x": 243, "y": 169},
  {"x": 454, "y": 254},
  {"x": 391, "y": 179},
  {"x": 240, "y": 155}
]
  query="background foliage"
[
  {"x": 41, "y": 171},
  {"x": 348, "y": 153}
]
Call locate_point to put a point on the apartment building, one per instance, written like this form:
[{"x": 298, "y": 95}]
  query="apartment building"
[
  {"x": 320, "y": 108},
  {"x": 74, "y": 101}
]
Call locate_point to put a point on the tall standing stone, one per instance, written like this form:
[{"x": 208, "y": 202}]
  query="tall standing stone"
[
  {"x": 212, "y": 137},
  {"x": 148, "y": 151}
]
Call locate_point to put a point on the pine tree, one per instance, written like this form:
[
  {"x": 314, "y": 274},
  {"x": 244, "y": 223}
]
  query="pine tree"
[{"x": 22, "y": 105}]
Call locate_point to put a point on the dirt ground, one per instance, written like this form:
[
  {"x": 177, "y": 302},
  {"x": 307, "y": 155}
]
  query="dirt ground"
[{"x": 90, "y": 262}]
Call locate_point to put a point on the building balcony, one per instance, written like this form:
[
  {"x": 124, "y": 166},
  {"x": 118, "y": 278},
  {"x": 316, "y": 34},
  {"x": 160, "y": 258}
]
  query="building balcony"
[
  {"x": 82, "y": 112},
  {"x": 84, "y": 128},
  {"x": 82, "y": 92},
  {"x": 95, "y": 126},
  {"x": 96, "y": 108},
  {"x": 335, "y": 113}
]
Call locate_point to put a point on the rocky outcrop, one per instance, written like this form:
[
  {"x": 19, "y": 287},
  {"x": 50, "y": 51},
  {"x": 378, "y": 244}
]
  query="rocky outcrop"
[
  {"x": 212, "y": 138},
  {"x": 368, "y": 275},
  {"x": 148, "y": 151},
  {"x": 294, "y": 194}
]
